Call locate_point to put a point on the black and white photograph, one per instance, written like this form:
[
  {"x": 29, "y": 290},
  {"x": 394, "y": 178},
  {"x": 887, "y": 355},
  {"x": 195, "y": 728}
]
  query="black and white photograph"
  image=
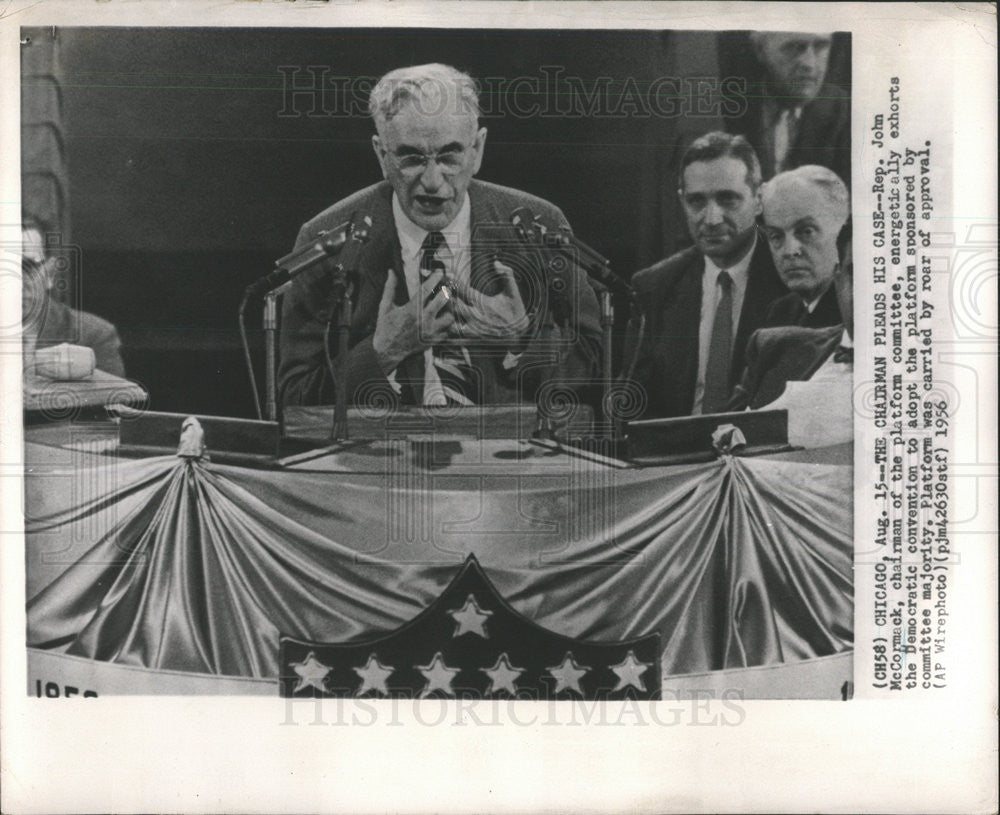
[
  {"x": 397, "y": 370},
  {"x": 527, "y": 298}
]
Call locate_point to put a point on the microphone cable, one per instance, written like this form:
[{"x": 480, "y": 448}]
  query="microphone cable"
[{"x": 244, "y": 341}]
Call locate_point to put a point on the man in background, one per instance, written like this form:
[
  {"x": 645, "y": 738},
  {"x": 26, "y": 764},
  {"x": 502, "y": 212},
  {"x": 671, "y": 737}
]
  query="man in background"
[
  {"x": 822, "y": 356},
  {"x": 450, "y": 309},
  {"x": 47, "y": 323},
  {"x": 804, "y": 211},
  {"x": 796, "y": 117},
  {"x": 696, "y": 309}
]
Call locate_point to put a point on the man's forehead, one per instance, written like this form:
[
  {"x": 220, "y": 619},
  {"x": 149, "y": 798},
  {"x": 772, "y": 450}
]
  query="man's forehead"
[
  {"x": 412, "y": 125},
  {"x": 722, "y": 173},
  {"x": 781, "y": 39}
]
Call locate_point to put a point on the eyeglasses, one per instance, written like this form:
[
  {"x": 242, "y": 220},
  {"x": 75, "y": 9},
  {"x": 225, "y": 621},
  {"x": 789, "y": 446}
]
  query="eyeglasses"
[{"x": 414, "y": 164}]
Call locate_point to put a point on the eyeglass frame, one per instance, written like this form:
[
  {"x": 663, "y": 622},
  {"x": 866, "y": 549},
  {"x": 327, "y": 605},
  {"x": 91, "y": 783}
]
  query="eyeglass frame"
[{"x": 460, "y": 151}]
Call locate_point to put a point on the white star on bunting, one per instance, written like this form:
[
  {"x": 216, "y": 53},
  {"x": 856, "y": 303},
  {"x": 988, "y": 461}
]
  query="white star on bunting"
[
  {"x": 439, "y": 676},
  {"x": 568, "y": 674},
  {"x": 630, "y": 672},
  {"x": 311, "y": 673},
  {"x": 502, "y": 675},
  {"x": 373, "y": 676},
  {"x": 471, "y": 619}
]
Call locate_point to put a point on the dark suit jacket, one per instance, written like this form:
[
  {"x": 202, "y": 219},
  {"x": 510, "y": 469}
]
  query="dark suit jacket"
[
  {"x": 304, "y": 378},
  {"x": 790, "y": 310},
  {"x": 60, "y": 324},
  {"x": 776, "y": 356},
  {"x": 824, "y": 134},
  {"x": 667, "y": 314}
]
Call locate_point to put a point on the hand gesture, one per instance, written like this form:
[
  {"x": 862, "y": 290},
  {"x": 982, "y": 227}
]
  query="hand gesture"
[
  {"x": 484, "y": 316},
  {"x": 403, "y": 330}
]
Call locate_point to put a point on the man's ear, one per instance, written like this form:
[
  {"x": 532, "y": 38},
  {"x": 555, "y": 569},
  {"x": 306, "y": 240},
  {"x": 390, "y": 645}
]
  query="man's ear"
[
  {"x": 380, "y": 155},
  {"x": 480, "y": 145}
]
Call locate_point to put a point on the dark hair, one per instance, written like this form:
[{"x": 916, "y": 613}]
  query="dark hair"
[{"x": 719, "y": 145}]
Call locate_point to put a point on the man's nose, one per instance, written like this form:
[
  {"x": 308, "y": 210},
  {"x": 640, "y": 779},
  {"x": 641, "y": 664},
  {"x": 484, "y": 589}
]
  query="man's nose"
[
  {"x": 808, "y": 60},
  {"x": 712, "y": 213},
  {"x": 792, "y": 246},
  {"x": 432, "y": 177}
]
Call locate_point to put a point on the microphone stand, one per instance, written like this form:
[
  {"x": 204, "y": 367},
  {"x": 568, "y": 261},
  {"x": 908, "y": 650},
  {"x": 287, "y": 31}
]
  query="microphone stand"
[
  {"x": 271, "y": 353},
  {"x": 567, "y": 247},
  {"x": 341, "y": 309},
  {"x": 607, "y": 308},
  {"x": 558, "y": 308}
]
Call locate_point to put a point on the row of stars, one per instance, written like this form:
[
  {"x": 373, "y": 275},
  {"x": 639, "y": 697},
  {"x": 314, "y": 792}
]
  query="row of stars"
[{"x": 439, "y": 676}]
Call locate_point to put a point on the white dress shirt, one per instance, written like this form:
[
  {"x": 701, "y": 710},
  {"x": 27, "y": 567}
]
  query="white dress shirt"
[
  {"x": 710, "y": 292},
  {"x": 455, "y": 254}
]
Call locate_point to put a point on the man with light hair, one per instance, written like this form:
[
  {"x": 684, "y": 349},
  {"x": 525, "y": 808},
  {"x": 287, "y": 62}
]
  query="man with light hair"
[
  {"x": 804, "y": 211},
  {"x": 824, "y": 357},
  {"x": 795, "y": 116},
  {"x": 451, "y": 308}
]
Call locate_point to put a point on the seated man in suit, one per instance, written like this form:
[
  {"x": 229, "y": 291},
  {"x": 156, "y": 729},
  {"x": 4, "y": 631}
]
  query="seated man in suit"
[
  {"x": 450, "y": 308},
  {"x": 796, "y": 117},
  {"x": 47, "y": 323},
  {"x": 696, "y": 309},
  {"x": 804, "y": 212},
  {"x": 776, "y": 356}
]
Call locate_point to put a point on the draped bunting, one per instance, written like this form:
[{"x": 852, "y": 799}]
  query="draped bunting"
[{"x": 194, "y": 566}]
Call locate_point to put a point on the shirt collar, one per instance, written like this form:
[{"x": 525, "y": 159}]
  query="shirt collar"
[
  {"x": 739, "y": 271},
  {"x": 845, "y": 340},
  {"x": 411, "y": 236}
]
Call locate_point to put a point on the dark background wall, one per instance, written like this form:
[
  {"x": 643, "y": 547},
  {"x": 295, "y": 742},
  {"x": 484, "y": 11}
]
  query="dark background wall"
[{"x": 191, "y": 167}]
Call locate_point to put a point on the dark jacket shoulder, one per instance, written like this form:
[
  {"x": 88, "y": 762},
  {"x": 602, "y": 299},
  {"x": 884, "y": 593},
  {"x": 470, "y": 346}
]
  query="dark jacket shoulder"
[
  {"x": 377, "y": 197},
  {"x": 663, "y": 275},
  {"x": 776, "y": 338}
]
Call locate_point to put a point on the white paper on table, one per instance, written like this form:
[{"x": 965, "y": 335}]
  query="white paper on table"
[{"x": 818, "y": 414}]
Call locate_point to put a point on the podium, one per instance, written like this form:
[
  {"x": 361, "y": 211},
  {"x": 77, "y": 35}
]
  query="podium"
[{"x": 652, "y": 442}]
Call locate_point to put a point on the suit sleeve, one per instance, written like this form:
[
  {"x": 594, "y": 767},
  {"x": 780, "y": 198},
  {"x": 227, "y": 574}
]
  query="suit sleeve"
[
  {"x": 102, "y": 337},
  {"x": 746, "y": 390},
  {"x": 304, "y": 377}
]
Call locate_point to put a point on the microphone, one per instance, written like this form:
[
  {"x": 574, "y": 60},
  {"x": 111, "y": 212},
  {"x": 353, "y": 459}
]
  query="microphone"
[
  {"x": 327, "y": 243},
  {"x": 531, "y": 230},
  {"x": 347, "y": 260}
]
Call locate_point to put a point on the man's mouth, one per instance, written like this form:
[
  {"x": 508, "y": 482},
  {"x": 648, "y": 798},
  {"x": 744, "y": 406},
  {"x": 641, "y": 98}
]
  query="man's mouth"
[{"x": 432, "y": 202}]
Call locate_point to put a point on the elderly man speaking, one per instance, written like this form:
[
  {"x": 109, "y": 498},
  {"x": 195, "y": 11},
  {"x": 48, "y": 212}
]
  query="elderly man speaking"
[{"x": 451, "y": 307}]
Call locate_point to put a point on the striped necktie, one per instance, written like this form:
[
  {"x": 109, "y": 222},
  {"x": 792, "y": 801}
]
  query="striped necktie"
[{"x": 452, "y": 363}]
